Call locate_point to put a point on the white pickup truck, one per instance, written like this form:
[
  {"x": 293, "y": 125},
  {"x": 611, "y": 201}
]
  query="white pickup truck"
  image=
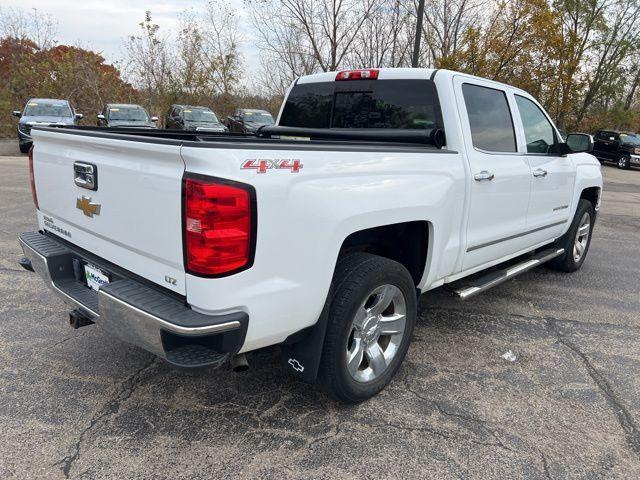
[{"x": 318, "y": 233}]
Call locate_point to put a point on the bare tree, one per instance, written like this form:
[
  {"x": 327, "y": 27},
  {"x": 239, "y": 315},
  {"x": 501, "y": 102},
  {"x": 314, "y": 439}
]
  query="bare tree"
[
  {"x": 385, "y": 38},
  {"x": 220, "y": 46},
  {"x": 310, "y": 35},
  {"x": 149, "y": 61},
  {"x": 33, "y": 25},
  {"x": 614, "y": 44},
  {"x": 445, "y": 24}
]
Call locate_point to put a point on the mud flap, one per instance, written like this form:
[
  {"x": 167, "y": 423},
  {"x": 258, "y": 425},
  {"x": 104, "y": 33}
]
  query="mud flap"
[{"x": 302, "y": 351}]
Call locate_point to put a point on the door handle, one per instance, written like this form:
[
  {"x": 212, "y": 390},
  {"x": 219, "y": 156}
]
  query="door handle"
[
  {"x": 484, "y": 175},
  {"x": 539, "y": 173}
]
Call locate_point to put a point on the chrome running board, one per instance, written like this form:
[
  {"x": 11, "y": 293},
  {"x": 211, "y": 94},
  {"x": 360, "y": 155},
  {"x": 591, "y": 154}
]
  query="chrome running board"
[{"x": 494, "y": 278}]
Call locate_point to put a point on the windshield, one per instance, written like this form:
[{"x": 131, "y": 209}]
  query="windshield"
[
  {"x": 628, "y": 138},
  {"x": 258, "y": 117},
  {"x": 129, "y": 114},
  {"x": 200, "y": 115},
  {"x": 39, "y": 109},
  {"x": 399, "y": 104}
]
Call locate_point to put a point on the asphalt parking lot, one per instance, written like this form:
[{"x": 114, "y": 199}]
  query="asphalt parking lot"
[{"x": 81, "y": 404}]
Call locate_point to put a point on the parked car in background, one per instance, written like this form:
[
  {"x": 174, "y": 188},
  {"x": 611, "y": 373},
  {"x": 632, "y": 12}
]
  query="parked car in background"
[
  {"x": 248, "y": 120},
  {"x": 188, "y": 117},
  {"x": 43, "y": 111},
  {"x": 620, "y": 147},
  {"x": 125, "y": 115}
]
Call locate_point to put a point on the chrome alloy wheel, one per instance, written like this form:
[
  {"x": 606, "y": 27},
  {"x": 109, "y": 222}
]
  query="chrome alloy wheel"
[
  {"x": 621, "y": 161},
  {"x": 582, "y": 237},
  {"x": 376, "y": 333}
]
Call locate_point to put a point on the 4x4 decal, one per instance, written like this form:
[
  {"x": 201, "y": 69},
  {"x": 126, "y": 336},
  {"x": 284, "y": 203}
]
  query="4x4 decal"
[{"x": 261, "y": 165}]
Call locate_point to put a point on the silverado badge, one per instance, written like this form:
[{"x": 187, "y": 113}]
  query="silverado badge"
[{"x": 88, "y": 208}]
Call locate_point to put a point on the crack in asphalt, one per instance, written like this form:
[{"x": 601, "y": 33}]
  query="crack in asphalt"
[
  {"x": 540, "y": 318},
  {"x": 6, "y": 269},
  {"x": 481, "y": 423},
  {"x": 438, "y": 433},
  {"x": 110, "y": 408},
  {"x": 325, "y": 437},
  {"x": 615, "y": 402},
  {"x": 66, "y": 339},
  {"x": 545, "y": 465}
]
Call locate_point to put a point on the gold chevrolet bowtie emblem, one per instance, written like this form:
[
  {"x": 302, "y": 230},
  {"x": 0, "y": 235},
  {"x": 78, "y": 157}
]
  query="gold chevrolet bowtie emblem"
[{"x": 88, "y": 208}]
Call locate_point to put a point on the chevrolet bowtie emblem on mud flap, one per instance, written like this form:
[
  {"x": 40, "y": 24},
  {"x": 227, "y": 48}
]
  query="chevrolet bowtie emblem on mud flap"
[
  {"x": 297, "y": 366},
  {"x": 88, "y": 208}
]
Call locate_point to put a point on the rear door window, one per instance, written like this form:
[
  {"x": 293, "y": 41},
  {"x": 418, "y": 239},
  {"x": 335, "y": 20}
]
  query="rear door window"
[
  {"x": 489, "y": 118},
  {"x": 363, "y": 104}
]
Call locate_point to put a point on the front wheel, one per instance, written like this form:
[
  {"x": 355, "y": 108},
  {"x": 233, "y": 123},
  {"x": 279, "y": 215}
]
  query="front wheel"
[
  {"x": 371, "y": 319},
  {"x": 577, "y": 240},
  {"x": 24, "y": 147},
  {"x": 623, "y": 162}
]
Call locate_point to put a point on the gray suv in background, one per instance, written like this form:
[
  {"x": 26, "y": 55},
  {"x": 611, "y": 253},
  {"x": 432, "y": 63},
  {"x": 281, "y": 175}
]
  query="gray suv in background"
[
  {"x": 125, "y": 115},
  {"x": 189, "y": 117},
  {"x": 43, "y": 111}
]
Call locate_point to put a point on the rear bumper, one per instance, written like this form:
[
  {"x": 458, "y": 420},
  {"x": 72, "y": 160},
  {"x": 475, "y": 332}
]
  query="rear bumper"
[{"x": 135, "y": 312}]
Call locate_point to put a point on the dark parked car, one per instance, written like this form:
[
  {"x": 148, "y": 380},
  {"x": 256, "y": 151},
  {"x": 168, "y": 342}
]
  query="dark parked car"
[
  {"x": 43, "y": 111},
  {"x": 248, "y": 120},
  {"x": 619, "y": 147},
  {"x": 125, "y": 115},
  {"x": 187, "y": 117}
]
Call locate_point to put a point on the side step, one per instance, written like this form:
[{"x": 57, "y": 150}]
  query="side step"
[{"x": 492, "y": 279}]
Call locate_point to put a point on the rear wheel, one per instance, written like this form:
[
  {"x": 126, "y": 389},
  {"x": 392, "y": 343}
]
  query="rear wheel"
[
  {"x": 623, "y": 162},
  {"x": 371, "y": 320},
  {"x": 577, "y": 239}
]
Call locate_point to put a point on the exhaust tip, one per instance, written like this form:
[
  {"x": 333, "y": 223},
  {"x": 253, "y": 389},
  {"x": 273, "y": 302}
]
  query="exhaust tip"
[{"x": 239, "y": 363}]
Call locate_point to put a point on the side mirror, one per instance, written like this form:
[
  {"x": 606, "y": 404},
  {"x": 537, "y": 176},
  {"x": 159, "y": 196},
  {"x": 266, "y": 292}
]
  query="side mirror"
[
  {"x": 16, "y": 113},
  {"x": 101, "y": 116},
  {"x": 79, "y": 116},
  {"x": 154, "y": 119},
  {"x": 579, "y": 142}
]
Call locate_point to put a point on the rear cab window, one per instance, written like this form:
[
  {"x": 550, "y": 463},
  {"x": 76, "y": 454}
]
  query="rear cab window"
[{"x": 410, "y": 104}]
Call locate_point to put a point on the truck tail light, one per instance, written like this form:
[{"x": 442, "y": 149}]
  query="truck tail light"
[
  {"x": 219, "y": 226},
  {"x": 32, "y": 179},
  {"x": 366, "y": 74}
]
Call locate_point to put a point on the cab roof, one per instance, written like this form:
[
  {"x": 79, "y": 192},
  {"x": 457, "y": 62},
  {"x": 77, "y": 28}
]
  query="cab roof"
[
  {"x": 402, "y": 74},
  {"x": 124, "y": 105},
  {"x": 49, "y": 100}
]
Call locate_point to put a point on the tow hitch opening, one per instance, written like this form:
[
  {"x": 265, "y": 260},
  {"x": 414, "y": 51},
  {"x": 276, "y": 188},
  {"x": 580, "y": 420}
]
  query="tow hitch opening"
[{"x": 78, "y": 319}]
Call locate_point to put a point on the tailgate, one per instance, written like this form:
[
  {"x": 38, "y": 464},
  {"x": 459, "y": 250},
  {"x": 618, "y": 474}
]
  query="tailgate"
[{"x": 139, "y": 193}]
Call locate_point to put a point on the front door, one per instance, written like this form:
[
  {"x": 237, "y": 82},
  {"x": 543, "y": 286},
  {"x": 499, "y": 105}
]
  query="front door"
[
  {"x": 501, "y": 177},
  {"x": 553, "y": 175}
]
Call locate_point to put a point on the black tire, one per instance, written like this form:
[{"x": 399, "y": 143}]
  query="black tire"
[
  {"x": 356, "y": 276},
  {"x": 567, "y": 261},
  {"x": 624, "y": 162},
  {"x": 24, "y": 147}
]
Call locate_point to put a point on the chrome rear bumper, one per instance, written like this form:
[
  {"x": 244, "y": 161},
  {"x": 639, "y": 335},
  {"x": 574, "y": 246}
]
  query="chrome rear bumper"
[{"x": 136, "y": 312}]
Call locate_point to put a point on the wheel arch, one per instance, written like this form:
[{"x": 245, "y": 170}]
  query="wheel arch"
[
  {"x": 592, "y": 194},
  {"x": 407, "y": 243}
]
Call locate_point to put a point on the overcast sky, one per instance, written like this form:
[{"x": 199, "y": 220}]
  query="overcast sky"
[{"x": 102, "y": 25}]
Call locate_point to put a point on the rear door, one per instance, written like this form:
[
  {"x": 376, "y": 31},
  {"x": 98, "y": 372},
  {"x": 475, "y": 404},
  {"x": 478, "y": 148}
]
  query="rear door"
[
  {"x": 501, "y": 177},
  {"x": 599, "y": 146},
  {"x": 131, "y": 216},
  {"x": 553, "y": 175},
  {"x": 607, "y": 145}
]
